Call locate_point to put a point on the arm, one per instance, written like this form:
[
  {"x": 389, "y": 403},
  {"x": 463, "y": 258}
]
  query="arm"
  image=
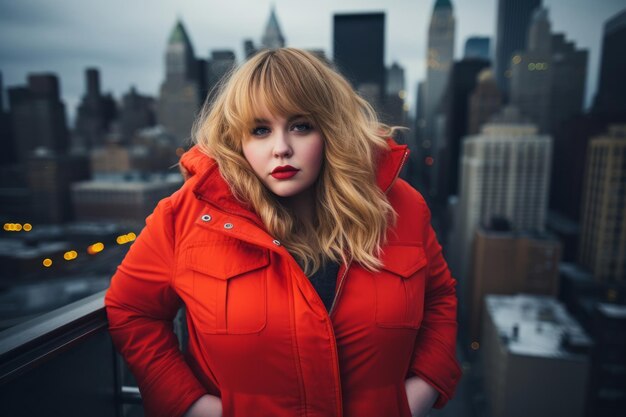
[
  {"x": 141, "y": 305},
  {"x": 434, "y": 359}
]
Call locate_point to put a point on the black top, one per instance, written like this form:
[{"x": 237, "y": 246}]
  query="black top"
[{"x": 324, "y": 281}]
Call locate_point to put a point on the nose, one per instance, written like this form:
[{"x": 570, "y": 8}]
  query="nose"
[{"x": 282, "y": 147}]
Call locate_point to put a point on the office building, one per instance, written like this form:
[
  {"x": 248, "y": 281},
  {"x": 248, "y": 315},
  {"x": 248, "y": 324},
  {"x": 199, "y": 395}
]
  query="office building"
[
  {"x": 536, "y": 358},
  {"x": 359, "y": 52},
  {"x": 484, "y": 102},
  {"x": 38, "y": 116},
  {"x": 603, "y": 225},
  {"x": 477, "y": 47},
  {"x": 512, "y": 21},
  {"x": 137, "y": 112},
  {"x": 611, "y": 95},
  {"x": 508, "y": 263},
  {"x": 504, "y": 173}
]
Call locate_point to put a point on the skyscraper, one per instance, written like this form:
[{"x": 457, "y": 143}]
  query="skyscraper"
[
  {"x": 477, "y": 47},
  {"x": 454, "y": 105},
  {"x": 272, "y": 36},
  {"x": 220, "y": 63},
  {"x": 38, "y": 116},
  {"x": 484, "y": 102},
  {"x": 611, "y": 96},
  {"x": 91, "y": 123},
  {"x": 359, "y": 52},
  {"x": 531, "y": 72},
  {"x": 512, "y": 22},
  {"x": 180, "y": 97},
  {"x": 439, "y": 58},
  {"x": 504, "y": 173},
  {"x": 602, "y": 248}
]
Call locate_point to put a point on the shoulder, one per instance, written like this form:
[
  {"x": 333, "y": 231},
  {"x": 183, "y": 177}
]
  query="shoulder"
[{"x": 403, "y": 196}]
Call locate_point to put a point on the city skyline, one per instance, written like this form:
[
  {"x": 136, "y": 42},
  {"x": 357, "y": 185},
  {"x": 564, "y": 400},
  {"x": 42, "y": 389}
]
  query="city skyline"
[{"x": 140, "y": 62}]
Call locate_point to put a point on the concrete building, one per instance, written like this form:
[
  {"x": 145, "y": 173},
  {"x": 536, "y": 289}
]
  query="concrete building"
[
  {"x": 484, "y": 102},
  {"x": 359, "y": 53},
  {"x": 536, "y": 358},
  {"x": 504, "y": 173},
  {"x": 221, "y": 63},
  {"x": 512, "y": 21},
  {"x": 122, "y": 201},
  {"x": 91, "y": 118},
  {"x": 180, "y": 94},
  {"x": 137, "y": 112},
  {"x": 603, "y": 226},
  {"x": 454, "y": 105},
  {"x": 272, "y": 35},
  {"x": 440, "y": 54},
  {"x": 38, "y": 116},
  {"x": 50, "y": 176},
  {"x": 508, "y": 263},
  {"x": 477, "y": 47},
  {"x": 611, "y": 95}
]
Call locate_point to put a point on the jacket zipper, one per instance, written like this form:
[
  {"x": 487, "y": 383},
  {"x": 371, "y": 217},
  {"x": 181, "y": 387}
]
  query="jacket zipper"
[{"x": 340, "y": 287}]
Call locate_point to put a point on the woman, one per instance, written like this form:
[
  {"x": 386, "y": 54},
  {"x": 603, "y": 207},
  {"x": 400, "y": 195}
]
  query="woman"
[{"x": 313, "y": 282}]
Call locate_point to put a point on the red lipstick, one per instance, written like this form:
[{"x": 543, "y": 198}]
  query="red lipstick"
[{"x": 284, "y": 172}]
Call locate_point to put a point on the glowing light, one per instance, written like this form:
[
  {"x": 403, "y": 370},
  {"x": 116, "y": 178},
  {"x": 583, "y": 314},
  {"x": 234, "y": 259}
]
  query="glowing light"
[
  {"x": 531, "y": 66},
  {"x": 47, "y": 262},
  {"x": 402, "y": 94},
  {"x": 6, "y": 227},
  {"x": 131, "y": 236},
  {"x": 517, "y": 59},
  {"x": 429, "y": 160},
  {"x": 70, "y": 255},
  {"x": 475, "y": 345},
  {"x": 405, "y": 107},
  {"x": 28, "y": 227},
  {"x": 95, "y": 248},
  {"x": 18, "y": 227}
]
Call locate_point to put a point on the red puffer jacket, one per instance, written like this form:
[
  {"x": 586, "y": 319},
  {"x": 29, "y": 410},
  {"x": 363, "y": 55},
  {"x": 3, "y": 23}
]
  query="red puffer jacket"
[{"x": 259, "y": 335}]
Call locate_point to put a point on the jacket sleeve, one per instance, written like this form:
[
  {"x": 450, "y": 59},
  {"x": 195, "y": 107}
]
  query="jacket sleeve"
[
  {"x": 141, "y": 305},
  {"x": 434, "y": 357}
]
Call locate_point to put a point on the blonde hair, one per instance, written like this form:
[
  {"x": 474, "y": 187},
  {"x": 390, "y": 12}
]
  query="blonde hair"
[{"x": 351, "y": 213}]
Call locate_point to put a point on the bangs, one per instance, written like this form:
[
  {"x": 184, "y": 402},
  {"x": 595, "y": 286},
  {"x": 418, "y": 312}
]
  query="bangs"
[{"x": 279, "y": 86}]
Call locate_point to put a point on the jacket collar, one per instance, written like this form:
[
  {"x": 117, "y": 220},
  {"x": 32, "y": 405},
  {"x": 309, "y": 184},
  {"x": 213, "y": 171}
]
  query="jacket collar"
[{"x": 212, "y": 188}]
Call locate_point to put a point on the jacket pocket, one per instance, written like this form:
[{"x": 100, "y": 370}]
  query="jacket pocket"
[
  {"x": 400, "y": 287},
  {"x": 229, "y": 286}
]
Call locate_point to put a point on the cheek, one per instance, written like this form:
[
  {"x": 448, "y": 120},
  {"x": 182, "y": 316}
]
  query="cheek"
[
  {"x": 314, "y": 153},
  {"x": 253, "y": 155}
]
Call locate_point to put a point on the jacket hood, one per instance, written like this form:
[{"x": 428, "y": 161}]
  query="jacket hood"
[{"x": 212, "y": 187}]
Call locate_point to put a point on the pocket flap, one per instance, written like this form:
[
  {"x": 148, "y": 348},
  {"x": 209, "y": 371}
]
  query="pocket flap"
[
  {"x": 404, "y": 260},
  {"x": 226, "y": 260}
]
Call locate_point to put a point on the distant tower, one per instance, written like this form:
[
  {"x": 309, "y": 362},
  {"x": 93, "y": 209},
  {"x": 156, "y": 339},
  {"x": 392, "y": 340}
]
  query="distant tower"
[
  {"x": 611, "y": 96},
  {"x": 531, "y": 73},
  {"x": 38, "y": 116},
  {"x": 477, "y": 47},
  {"x": 90, "y": 121},
  {"x": 220, "y": 64},
  {"x": 272, "y": 36},
  {"x": 603, "y": 225},
  {"x": 511, "y": 31},
  {"x": 438, "y": 64},
  {"x": 180, "y": 96},
  {"x": 359, "y": 52},
  {"x": 485, "y": 101}
]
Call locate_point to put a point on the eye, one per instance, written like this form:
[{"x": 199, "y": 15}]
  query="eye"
[
  {"x": 260, "y": 131},
  {"x": 301, "y": 127}
]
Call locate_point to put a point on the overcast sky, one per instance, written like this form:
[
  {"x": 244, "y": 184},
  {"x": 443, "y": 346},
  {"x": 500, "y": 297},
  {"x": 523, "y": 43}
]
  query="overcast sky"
[{"x": 126, "y": 39}]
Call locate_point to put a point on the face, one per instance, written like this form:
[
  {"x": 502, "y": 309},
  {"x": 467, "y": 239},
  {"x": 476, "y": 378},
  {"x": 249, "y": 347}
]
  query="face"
[{"x": 285, "y": 153}]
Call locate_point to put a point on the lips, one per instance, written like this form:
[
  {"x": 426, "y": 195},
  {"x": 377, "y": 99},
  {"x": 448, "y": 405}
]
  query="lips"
[{"x": 284, "y": 172}]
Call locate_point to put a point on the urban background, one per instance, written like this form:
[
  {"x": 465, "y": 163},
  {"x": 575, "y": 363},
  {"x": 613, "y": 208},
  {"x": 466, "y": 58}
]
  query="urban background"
[{"x": 516, "y": 116}]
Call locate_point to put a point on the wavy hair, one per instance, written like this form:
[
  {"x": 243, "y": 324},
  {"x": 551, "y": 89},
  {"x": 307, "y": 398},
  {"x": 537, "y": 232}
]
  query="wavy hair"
[{"x": 351, "y": 213}]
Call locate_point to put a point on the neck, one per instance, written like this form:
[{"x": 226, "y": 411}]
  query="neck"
[{"x": 301, "y": 205}]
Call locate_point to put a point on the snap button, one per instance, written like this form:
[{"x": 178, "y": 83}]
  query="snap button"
[
  {"x": 228, "y": 226},
  {"x": 276, "y": 242},
  {"x": 206, "y": 218}
]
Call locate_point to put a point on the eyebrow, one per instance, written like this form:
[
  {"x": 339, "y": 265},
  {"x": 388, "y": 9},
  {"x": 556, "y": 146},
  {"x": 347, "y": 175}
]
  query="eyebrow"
[{"x": 291, "y": 119}]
